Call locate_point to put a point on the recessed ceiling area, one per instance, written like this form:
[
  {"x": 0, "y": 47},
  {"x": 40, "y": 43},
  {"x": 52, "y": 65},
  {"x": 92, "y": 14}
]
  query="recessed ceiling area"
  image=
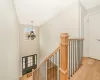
[
  {"x": 42, "y": 10},
  {"x": 90, "y": 3}
]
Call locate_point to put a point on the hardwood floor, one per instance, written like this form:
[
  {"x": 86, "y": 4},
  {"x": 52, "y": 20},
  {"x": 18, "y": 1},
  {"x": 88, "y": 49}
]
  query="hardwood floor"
[{"x": 90, "y": 70}]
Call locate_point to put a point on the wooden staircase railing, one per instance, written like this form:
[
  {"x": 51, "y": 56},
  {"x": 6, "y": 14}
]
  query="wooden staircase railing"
[
  {"x": 47, "y": 69},
  {"x": 54, "y": 67},
  {"x": 75, "y": 54},
  {"x": 63, "y": 62}
]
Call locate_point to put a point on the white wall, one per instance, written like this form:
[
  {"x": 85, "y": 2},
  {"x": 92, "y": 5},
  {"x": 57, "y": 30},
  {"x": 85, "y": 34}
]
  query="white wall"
[
  {"x": 28, "y": 47},
  {"x": 82, "y": 30},
  {"x": 82, "y": 15},
  {"x": 66, "y": 21},
  {"x": 9, "y": 41}
]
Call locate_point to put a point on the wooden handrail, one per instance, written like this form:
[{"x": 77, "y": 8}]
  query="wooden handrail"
[
  {"x": 38, "y": 66},
  {"x": 53, "y": 53},
  {"x": 47, "y": 58},
  {"x": 63, "y": 56},
  {"x": 76, "y": 39}
]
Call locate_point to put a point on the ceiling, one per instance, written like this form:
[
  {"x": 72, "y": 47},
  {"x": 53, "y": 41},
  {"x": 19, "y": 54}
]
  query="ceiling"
[
  {"x": 40, "y": 11},
  {"x": 90, "y": 3}
]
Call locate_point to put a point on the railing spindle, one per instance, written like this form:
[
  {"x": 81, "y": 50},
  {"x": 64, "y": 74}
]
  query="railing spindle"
[
  {"x": 59, "y": 64},
  {"x": 75, "y": 47},
  {"x": 69, "y": 59},
  {"x": 53, "y": 67},
  {"x": 82, "y": 48},
  {"x": 79, "y": 53},
  {"x": 75, "y": 55}
]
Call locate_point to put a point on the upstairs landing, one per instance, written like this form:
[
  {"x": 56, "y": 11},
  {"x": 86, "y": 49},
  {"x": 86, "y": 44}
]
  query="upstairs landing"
[{"x": 90, "y": 70}]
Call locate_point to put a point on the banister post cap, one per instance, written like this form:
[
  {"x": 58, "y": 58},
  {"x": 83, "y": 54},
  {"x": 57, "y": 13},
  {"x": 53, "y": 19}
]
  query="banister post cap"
[{"x": 64, "y": 35}]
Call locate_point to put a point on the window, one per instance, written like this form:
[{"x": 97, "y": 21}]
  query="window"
[
  {"x": 30, "y": 61},
  {"x": 23, "y": 63},
  {"x": 29, "y": 33}
]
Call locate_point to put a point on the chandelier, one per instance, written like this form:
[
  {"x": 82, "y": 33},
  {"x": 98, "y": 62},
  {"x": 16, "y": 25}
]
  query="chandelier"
[{"x": 32, "y": 34}]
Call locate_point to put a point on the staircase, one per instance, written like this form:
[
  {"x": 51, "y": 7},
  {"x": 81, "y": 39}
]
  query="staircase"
[
  {"x": 51, "y": 71},
  {"x": 63, "y": 63}
]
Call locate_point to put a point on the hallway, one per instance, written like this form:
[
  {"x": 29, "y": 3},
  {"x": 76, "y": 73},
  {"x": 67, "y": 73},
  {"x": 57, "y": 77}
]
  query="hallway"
[{"x": 90, "y": 70}]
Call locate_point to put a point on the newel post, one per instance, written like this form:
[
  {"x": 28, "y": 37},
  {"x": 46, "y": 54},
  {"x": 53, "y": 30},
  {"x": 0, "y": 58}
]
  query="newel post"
[{"x": 64, "y": 57}]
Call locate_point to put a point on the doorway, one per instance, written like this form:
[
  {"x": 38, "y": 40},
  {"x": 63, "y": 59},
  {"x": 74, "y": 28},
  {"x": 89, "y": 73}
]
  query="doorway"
[{"x": 94, "y": 36}]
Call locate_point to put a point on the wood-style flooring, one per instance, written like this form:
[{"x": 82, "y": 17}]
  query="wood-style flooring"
[{"x": 90, "y": 70}]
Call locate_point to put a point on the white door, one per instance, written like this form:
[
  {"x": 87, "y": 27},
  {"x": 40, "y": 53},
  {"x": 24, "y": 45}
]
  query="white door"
[{"x": 94, "y": 36}]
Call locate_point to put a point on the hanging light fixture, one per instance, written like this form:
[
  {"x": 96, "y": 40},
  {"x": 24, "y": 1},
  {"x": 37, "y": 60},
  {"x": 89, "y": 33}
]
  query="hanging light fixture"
[{"x": 32, "y": 33}]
